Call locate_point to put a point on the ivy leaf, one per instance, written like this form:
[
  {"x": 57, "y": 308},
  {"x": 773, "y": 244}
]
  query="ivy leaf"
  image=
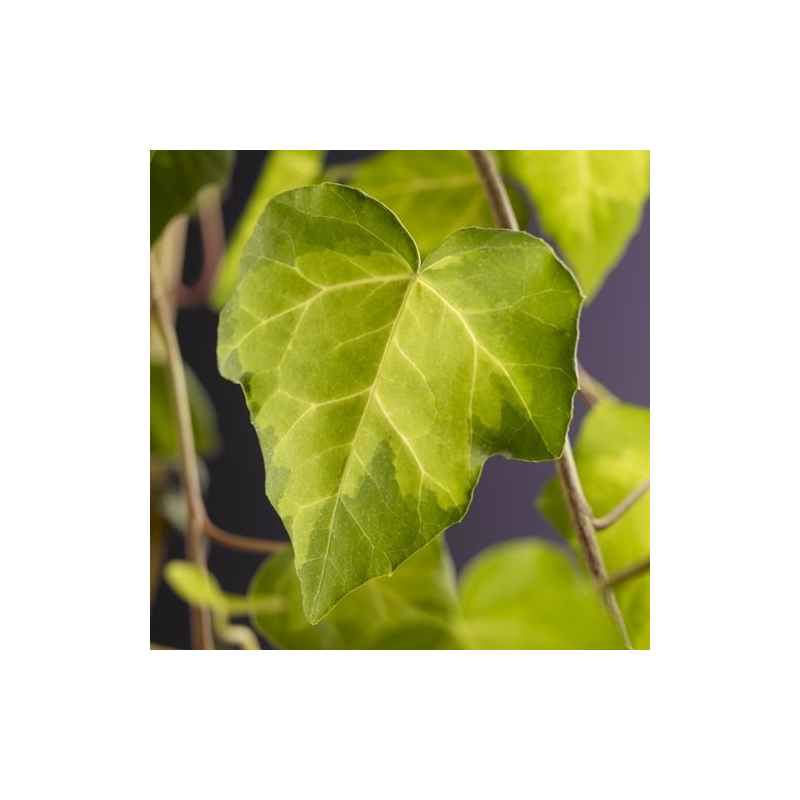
[
  {"x": 421, "y": 593},
  {"x": 176, "y": 176},
  {"x": 378, "y": 387},
  {"x": 589, "y": 201},
  {"x": 434, "y": 192},
  {"x": 163, "y": 434},
  {"x": 528, "y": 595},
  {"x": 282, "y": 170},
  {"x": 521, "y": 595},
  {"x": 194, "y": 585},
  {"x": 200, "y": 588},
  {"x": 613, "y": 458}
]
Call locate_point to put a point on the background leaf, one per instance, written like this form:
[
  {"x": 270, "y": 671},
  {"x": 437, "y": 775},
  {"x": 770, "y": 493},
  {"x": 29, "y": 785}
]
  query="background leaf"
[
  {"x": 378, "y": 388},
  {"x": 200, "y": 588},
  {"x": 434, "y": 192},
  {"x": 421, "y": 593},
  {"x": 589, "y": 201},
  {"x": 282, "y": 170},
  {"x": 613, "y": 458},
  {"x": 529, "y": 595},
  {"x": 524, "y": 594},
  {"x": 176, "y": 176},
  {"x": 194, "y": 585}
]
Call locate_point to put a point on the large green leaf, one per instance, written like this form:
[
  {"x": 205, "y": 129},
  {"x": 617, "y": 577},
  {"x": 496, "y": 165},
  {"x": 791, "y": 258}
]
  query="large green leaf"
[
  {"x": 176, "y": 176},
  {"x": 521, "y": 595},
  {"x": 434, "y": 192},
  {"x": 613, "y": 458},
  {"x": 378, "y": 387},
  {"x": 282, "y": 170},
  {"x": 421, "y": 594},
  {"x": 163, "y": 433},
  {"x": 589, "y": 201}
]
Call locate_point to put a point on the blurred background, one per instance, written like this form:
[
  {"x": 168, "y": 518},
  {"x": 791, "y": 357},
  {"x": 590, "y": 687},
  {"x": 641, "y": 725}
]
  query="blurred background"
[{"x": 614, "y": 347}]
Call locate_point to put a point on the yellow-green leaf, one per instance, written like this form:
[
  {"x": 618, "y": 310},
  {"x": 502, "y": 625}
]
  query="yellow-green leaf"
[
  {"x": 434, "y": 192},
  {"x": 379, "y": 386},
  {"x": 589, "y": 201},
  {"x": 527, "y": 594},
  {"x": 421, "y": 593},
  {"x": 521, "y": 595},
  {"x": 200, "y": 588}
]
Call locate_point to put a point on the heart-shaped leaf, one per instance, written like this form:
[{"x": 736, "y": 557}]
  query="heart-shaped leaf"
[{"x": 379, "y": 386}]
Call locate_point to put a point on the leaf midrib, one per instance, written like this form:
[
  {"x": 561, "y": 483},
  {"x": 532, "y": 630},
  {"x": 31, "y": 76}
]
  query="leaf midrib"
[
  {"x": 477, "y": 344},
  {"x": 411, "y": 282}
]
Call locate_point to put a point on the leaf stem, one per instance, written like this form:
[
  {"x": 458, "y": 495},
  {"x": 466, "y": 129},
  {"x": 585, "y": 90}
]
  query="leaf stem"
[
  {"x": 504, "y": 217},
  {"x": 633, "y": 571},
  {"x": 245, "y": 543},
  {"x": 592, "y": 390},
  {"x": 200, "y": 620},
  {"x": 582, "y": 521},
  {"x": 601, "y": 523},
  {"x": 502, "y": 211},
  {"x": 579, "y": 511},
  {"x": 212, "y": 234}
]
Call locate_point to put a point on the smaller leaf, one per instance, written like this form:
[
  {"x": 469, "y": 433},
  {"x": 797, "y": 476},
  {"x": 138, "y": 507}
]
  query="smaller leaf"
[
  {"x": 176, "y": 176},
  {"x": 195, "y": 586},
  {"x": 524, "y": 594},
  {"x": 282, "y": 170},
  {"x": 529, "y": 595},
  {"x": 589, "y": 201},
  {"x": 200, "y": 588},
  {"x": 419, "y": 597},
  {"x": 434, "y": 192},
  {"x": 163, "y": 433}
]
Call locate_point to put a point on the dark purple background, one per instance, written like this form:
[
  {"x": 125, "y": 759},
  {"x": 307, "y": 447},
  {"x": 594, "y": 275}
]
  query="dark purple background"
[{"x": 614, "y": 347}]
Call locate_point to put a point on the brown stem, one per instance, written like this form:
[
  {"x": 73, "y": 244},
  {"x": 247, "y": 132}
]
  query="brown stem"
[
  {"x": 601, "y": 523},
  {"x": 496, "y": 193},
  {"x": 633, "y": 571},
  {"x": 212, "y": 234},
  {"x": 580, "y": 515},
  {"x": 245, "y": 543},
  {"x": 504, "y": 217},
  {"x": 200, "y": 620},
  {"x": 592, "y": 390},
  {"x": 579, "y": 511}
]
